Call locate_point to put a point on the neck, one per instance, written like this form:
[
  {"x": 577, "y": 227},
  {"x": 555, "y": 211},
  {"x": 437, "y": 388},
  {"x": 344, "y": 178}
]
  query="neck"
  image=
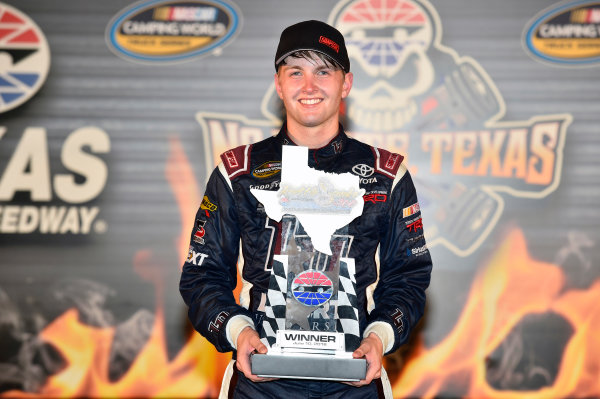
[{"x": 312, "y": 137}]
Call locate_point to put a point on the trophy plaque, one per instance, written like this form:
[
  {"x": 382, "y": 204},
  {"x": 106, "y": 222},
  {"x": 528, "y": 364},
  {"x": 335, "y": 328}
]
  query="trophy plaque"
[{"x": 311, "y": 312}]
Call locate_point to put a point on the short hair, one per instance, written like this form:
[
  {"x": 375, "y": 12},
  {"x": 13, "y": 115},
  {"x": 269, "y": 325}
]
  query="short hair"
[{"x": 311, "y": 55}]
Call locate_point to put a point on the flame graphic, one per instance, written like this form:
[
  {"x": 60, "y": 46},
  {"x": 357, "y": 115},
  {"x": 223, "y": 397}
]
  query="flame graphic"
[
  {"x": 197, "y": 369},
  {"x": 510, "y": 287}
]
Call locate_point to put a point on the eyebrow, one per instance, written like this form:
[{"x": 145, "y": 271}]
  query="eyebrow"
[{"x": 317, "y": 69}]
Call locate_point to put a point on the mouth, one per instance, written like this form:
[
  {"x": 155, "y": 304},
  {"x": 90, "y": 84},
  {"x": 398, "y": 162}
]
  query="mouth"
[{"x": 310, "y": 101}]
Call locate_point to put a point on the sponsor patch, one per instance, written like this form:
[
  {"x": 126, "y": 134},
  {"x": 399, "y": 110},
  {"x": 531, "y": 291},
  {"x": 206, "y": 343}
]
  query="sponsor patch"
[
  {"x": 417, "y": 251},
  {"x": 170, "y": 31},
  {"x": 363, "y": 170},
  {"x": 410, "y": 210},
  {"x": 374, "y": 198},
  {"x": 414, "y": 239},
  {"x": 267, "y": 169},
  {"x": 414, "y": 226},
  {"x": 216, "y": 325},
  {"x": 268, "y": 186},
  {"x": 369, "y": 180},
  {"x": 397, "y": 316},
  {"x": 392, "y": 161},
  {"x": 231, "y": 159},
  {"x": 207, "y": 204},
  {"x": 195, "y": 258},
  {"x": 337, "y": 146},
  {"x": 199, "y": 233},
  {"x": 329, "y": 43}
]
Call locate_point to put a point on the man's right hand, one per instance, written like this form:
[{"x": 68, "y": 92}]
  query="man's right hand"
[{"x": 248, "y": 342}]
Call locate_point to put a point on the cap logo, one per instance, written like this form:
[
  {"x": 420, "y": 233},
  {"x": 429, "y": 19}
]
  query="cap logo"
[{"x": 329, "y": 43}]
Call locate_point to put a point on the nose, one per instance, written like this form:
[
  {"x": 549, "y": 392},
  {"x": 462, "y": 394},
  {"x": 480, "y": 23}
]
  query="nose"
[{"x": 309, "y": 84}]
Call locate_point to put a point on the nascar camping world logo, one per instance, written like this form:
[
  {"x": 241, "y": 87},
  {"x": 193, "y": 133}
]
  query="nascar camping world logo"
[
  {"x": 566, "y": 34},
  {"x": 165, "y": 31},
  {"x": 24, "y": 58},
  {"x": 445, "y": 116}
]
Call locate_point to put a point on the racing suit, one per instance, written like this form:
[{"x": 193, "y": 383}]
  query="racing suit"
[{"x": 392, "y": 263}]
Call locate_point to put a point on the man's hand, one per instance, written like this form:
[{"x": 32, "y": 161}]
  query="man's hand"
[
  {"x": 248, "y": 342},
  {"x": 371, "y": 349}
]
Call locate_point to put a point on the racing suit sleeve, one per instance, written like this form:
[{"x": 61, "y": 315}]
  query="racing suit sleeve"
[
  {"x": 209, "y": 274},
  {"x": 404, "y": 265}
]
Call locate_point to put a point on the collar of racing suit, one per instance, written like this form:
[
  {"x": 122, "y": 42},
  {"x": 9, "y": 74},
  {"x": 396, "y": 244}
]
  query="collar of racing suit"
[{"x": 319, "y": 157}]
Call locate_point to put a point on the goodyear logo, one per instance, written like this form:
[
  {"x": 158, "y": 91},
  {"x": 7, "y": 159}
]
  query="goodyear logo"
[
  {"x": 24, "y": 58},
  {"x": 267, "y": 169},
  {"x": 159, "y": 31},
  {"x": 567, "y": 34}
]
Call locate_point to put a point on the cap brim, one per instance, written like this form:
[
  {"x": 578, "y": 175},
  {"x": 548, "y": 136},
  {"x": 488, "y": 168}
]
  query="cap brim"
[{"x": 283, "y": 57}]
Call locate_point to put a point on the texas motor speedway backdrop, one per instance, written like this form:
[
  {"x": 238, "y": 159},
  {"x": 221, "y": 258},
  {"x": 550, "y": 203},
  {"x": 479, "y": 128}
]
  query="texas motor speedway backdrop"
[{"x": 113, "y": 113}]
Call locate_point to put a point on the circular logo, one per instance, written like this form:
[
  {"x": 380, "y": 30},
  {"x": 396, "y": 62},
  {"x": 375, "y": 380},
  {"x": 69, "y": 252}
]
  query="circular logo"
[
  {"x": 312, "y": 288},
  {"x": 565, "y": 34},
  {"x": 166, "y": 31},
  {"x": 24, "y": 58},
  {"x": 363, "y": 170}
]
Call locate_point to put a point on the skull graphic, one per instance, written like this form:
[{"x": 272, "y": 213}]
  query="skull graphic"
[{"x": 387, "y": 44}]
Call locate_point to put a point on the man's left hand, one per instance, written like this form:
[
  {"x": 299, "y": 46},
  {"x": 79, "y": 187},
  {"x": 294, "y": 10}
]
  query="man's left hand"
[{"x": 371, "y": 348}]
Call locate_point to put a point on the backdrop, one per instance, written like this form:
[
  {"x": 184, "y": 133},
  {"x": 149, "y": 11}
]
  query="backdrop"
[{"x": 112, "y": 116}]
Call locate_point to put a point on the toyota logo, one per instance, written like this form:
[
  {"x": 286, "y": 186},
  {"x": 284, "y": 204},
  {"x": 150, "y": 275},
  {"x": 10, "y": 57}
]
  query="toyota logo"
[{"x": 363, "y": 170}]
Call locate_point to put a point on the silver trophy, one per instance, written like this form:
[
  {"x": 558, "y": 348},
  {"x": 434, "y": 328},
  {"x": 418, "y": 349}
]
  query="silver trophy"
[{"x": 311, "y": 313}]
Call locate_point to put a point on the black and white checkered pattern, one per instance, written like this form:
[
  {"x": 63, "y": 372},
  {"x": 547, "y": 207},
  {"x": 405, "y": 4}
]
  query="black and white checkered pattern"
[
  {"x": 347, "y": 305},
  {"x": 275, "y": 305},
  {"x": 346, "y": 301}
]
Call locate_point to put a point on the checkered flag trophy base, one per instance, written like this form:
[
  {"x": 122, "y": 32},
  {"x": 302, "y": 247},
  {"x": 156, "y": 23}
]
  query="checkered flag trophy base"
[{"x": 311, "y": 312}]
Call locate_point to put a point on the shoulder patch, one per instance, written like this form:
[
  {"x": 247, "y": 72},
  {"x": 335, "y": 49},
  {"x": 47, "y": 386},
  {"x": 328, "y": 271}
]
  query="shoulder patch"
[
  {"x": 386, "y": 162},
  {"x": 237, "y": 160}
]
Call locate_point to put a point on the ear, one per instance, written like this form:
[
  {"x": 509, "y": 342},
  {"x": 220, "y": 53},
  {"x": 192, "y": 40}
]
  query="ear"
[
  {"x": 348, "y": 79},
  {"x": 278, "y": 86}
]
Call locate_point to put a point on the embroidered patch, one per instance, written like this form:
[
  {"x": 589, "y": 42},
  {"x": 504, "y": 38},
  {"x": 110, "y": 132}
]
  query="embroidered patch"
[
  {"x": 207, "y": 204},
  {"x": 199, "y": 233},
  {"x": 267, "y": 169},
  {"x": 329, "y": 43},
  {"x": 417, "y": 251},
  {"x": 411, "y": 210},
  {"x": 374, "y": 198},
  {"x": 416, "y": 225},
  {"x": 397, "y": 316},
  {"x": 216, "y": 325},
  {"x": 231, "y": 159},
  {"x": 195, "y": 258},
  {"x": 392, "y": 161},
  {"x": 363, "y": 170}
]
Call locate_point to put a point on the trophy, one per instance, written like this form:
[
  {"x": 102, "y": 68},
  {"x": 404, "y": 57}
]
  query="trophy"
[{"x": 311, "y": 313}]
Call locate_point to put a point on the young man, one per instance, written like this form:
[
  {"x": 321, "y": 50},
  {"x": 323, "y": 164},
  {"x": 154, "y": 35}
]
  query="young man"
[{"x": 392, "y": 263}]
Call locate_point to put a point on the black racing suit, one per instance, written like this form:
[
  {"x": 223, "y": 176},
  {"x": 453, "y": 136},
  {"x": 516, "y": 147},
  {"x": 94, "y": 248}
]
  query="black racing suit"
[{"x": 390, "y": 224}]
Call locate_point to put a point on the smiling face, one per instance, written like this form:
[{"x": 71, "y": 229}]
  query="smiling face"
[{"x": 311, "y": 92}]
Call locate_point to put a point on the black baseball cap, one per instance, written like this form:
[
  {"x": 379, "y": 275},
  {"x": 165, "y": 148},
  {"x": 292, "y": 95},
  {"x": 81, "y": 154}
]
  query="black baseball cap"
[{"x": 313, "y": 36}]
